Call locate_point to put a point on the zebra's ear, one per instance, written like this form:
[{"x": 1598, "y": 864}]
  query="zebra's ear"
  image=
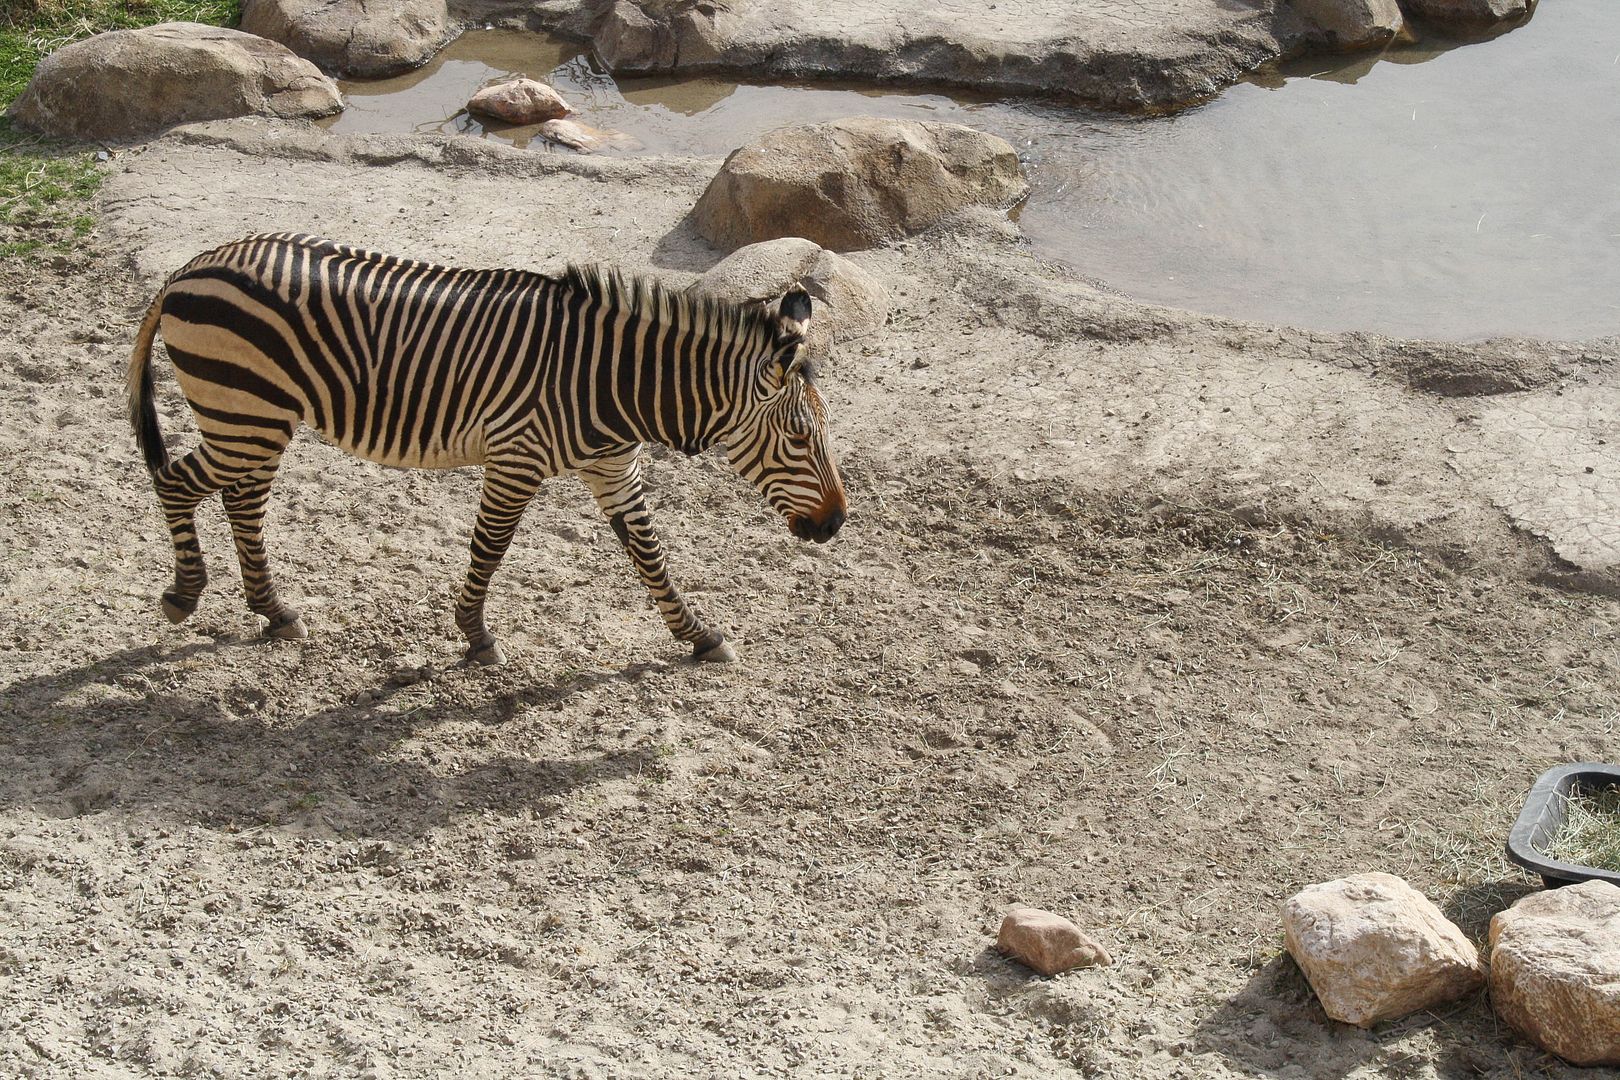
[{"x": 793, "y": 314}]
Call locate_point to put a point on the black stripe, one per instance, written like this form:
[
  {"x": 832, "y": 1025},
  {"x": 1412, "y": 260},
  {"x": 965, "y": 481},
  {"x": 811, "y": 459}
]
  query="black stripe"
[{"x": 236, "y": 377}]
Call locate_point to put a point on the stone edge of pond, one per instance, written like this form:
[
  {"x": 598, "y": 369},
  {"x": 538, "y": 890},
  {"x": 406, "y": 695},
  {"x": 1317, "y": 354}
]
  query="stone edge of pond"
[
  {"x": 1155, "y": 61},
  {"x": 1163, "y": 57},
  {"x": 303, "y": 141}
]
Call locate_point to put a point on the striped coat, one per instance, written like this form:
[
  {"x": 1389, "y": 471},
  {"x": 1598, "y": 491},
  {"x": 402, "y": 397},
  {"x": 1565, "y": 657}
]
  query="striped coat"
[{"x": 416, "y": 365}]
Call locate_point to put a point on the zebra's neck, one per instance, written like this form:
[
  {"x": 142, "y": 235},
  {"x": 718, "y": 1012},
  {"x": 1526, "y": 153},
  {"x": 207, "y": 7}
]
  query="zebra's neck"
[{"x": 680, "y": 374}]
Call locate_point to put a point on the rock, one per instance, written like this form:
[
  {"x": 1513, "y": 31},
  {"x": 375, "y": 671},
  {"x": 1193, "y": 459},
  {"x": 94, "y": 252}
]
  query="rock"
[
  {"x": 1466, "y": 12},
  {"x": 1107, "y": 52},
  {"x": 849, "y": 302},
  {"x": 1555, "y": 971},
  {"x": 367, "y": 38},
  {"x": 521, "y": 101},
  {"x": 855, "y": 183},
  {"x": 1374, "y": 948},
  {"x": 634, "y": 39},
  {"x": 130, "y": 83},
  {"x": 1048, "y": 943},
  {"x": 1348, "y": 25},
  {"x": 584, "y": 138}
]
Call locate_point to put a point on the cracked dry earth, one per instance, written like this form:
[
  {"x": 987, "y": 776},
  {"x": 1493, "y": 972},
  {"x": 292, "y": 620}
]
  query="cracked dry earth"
[{"x": 1147, "y": 618}]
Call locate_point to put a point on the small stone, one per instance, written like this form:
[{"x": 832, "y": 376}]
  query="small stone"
[
  {"x": 521, "y": 101},
  {"x": 1555, "y": 971},
  {"x": 1374, "y": 948},
  {"x": 1048, "y": 943},
  {"x": 586, "y": 139}
]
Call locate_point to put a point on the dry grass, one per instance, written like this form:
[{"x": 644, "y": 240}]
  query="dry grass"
[{"x": 1591, "y": 832}]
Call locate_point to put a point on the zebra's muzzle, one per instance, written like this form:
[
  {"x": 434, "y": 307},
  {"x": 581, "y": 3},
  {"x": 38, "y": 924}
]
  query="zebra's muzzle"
[{"x": 820, "y": 530}]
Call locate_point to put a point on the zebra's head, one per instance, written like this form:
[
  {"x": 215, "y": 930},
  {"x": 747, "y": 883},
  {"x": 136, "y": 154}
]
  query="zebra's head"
[{"x": 781, "y": 444}]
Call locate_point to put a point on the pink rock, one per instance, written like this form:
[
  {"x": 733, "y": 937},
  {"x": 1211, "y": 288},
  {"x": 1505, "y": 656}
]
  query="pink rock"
[
  {"x": 1048, "y": 943},
  {"x": 1374, "y": 948},
  {"x": 521, "y": 101},
  {"x": 582, "y": 137},
  {"x": 1555, "y": 970}
]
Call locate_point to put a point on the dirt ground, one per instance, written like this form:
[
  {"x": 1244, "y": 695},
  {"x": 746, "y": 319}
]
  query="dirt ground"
[{"x": 1143, "y": 617}]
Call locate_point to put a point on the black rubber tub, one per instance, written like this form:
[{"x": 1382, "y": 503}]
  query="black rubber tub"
[{"x": 1543, "y": 817}]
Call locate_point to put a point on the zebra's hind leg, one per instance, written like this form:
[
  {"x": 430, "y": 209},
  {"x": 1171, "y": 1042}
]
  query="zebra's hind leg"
[
  {"x": 616, "y": 483},
  {"x": 245, "y": 503},
  {"x": 509, "y": 486},
  {"x": 181, "y": 485}
]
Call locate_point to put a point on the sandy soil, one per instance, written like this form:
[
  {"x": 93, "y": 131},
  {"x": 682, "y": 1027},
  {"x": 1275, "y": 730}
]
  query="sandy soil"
[{"x": 1143, "y": 617}]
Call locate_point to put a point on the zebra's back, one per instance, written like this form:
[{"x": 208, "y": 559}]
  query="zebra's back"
[{"x": 406, "y": 363}]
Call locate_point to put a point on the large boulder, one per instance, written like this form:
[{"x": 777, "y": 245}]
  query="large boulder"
[
  {"x": 1348, "y": 25},
  {"x": 1555, "y": 970},
  {"x": 130, "y": 83},
  {"x": 1374, "y": 948},
  {"x": 365, "y": 38},
  {"x": 1467, "y": 12},
  {"x": 855, "y": 183},
  {"x": 849, "y": 302}
]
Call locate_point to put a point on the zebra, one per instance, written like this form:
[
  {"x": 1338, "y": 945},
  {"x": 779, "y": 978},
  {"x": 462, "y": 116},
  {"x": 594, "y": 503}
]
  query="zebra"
[{"x": 418, "y": 365}]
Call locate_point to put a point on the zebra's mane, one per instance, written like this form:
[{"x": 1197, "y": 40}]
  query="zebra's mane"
[{"x": 645, "y": 297}]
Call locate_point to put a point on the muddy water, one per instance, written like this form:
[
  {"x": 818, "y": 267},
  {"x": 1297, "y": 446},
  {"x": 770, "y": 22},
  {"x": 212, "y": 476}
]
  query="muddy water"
[
  {"x": 1436, "y": 191},
  {"x": 699, "y": 116}
]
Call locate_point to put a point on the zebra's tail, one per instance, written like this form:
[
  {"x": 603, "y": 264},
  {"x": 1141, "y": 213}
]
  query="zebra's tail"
[{"x": 142, "y": 394}]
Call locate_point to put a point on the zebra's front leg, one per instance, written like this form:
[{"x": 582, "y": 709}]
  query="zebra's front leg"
[
  {"x": 616, "y": 483},
  {"x": 509, "y": 486}
]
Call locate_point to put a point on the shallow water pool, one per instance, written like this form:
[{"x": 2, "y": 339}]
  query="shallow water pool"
[{"x": 1437, "y": 191}]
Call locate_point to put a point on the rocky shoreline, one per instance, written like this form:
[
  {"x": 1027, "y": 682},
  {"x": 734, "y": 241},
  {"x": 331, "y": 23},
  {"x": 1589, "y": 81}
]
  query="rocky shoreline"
[{"x": 1158, "y": 56}]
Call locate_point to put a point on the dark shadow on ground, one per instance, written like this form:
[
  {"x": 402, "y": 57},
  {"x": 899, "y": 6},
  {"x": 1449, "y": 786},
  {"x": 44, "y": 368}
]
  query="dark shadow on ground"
[
  {"x": 1275, "y": 1025},
  {"x": 683, "y": 249},
  {"x": 215, "y": 758},
  {"x": 1471, "y": 908}
]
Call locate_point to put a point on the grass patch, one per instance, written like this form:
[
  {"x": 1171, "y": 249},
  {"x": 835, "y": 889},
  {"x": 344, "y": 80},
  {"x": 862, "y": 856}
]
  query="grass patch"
[
  {"x": 45, "y": 193},
  {"x": 45, "y": 187},
  {"x": 1591, "y": 832},
  {"x": 29, "y": 29}
]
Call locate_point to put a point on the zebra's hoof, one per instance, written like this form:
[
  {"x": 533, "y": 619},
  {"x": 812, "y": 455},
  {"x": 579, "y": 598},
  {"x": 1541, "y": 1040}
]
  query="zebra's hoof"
[
  {"x": 489, "y": 656},
  {"x": 176, "y": 607},
  {"x": 288, "y": 629},
  {"x": 719, "y": 653}
]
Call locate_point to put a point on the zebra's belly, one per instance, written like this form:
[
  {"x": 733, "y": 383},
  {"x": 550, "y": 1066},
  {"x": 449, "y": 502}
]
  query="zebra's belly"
[{"x": 455, "y": 453}]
